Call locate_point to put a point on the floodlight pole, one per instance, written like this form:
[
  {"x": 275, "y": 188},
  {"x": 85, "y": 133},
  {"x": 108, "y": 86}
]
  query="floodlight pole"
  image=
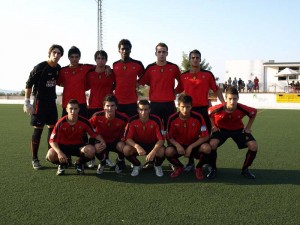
[{"x": 100, "y": 46}]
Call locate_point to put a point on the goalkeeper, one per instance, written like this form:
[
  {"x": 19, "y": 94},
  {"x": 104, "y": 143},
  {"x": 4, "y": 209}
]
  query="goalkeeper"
[{"x": 42, "y": 84}]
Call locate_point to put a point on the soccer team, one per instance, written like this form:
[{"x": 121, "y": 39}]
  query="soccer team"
[{"x": 114, "y": 119}]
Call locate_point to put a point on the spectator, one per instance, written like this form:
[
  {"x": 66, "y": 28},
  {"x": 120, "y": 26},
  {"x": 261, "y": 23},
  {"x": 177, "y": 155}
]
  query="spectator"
[{"x": 256, "y": 86}]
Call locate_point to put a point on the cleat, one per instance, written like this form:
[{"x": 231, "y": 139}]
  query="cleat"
[
  {"x": 158, "y": 171},
  {"x": 247, "y": 174},
  {"x": 91, "y": 163},
  {"x": 212, "y": 173},
  {"x": 110, "y": 163},
  {"x": 199, "y": 173},
  {"x": 100, "y": 169},
  {"x": 148, "y": 165},
  {"x": 172, "y": 167},
  {"x": 36, "y": 164},
  {"x": 136, "y": 170},
  {"x": 60, "y": 170},
  {"x": 177, "y": 172},
  {"x": 120, "y": 166},
  {"x": 79, "y": 168},
  {"x": 189, "y": 167}
]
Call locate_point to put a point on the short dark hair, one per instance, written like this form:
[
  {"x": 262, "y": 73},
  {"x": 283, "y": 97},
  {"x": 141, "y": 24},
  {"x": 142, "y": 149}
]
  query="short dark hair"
[
  {"x": 124, "y": 42},
  {"x": 195, "y": 51},
  {"x": 186, "y": 99},
  {"x": 143, "y": 102},
  {"x": 101, "y": 53},
  {"x": 110, "y": 98},
  {"x": 73, "y": 101},
  {"x": 74, "y": 50},
  {"x": 55, "y": 46},
  {"x": 232, "y": 90},
  {"x": 161, "y": 44}
]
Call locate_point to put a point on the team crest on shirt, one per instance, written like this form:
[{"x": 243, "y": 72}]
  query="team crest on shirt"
[
  {"x": 108, "y": 124},
  {"x": 193, "y": 124},
  {"x": 151, "y": 126},
  {"x": 124, "y": 67},
  {"x": 184, "y": 125},
  {"x": 144, "y": 128},
  {"x": 73, "y": 72},
  {"x": 203, "y": 76},
  {"x": 161, "y": 70}
]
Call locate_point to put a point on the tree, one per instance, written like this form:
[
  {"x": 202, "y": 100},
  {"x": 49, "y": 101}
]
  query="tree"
[{"x": 185, "y": 65}]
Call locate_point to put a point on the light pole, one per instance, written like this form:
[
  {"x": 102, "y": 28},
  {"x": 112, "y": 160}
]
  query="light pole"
[{"x": 100, "y": 45}]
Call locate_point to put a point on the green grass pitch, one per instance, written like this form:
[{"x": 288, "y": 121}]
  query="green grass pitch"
[{"x": 40, "y": 197}]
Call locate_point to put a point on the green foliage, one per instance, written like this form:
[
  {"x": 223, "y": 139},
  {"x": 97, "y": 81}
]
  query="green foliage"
[
  {"x": 40, "y": 197},
  {"x": 185, "y": 64}
]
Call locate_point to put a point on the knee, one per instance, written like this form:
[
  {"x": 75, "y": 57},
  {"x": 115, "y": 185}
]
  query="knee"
[
  {"x": 120, "y": 146},
  {"x": 52, "y": 156},
  {"x": 214, "y": 145},
  {"x": 205, "y": 148},
  {"x": 89, "y": 151},
  {"x": 169, "y": 152},
  {"x": 252, "y": 146},
  {"x": 161, "y": 152},
  {"x": 128, "y": 150}
]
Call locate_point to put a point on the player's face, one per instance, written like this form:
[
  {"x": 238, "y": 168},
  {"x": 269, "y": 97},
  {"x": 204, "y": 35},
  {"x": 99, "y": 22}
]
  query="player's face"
[
  {"x": 161, "y": 54},
  {"x": 72, "y": 110},
  {"x": 125, "y": 51},
  {"x": 74, "y": 59},
  {"x": 101, "y": 61},
  {"x": 144, "y": 111},
  {"x": 231, "y": 101},
  {"x": 55, "y": 55},
  {"x": 110, "y": 108},
  {"x": 185, "y": 109},
  {"x": 195, "y": 60}
]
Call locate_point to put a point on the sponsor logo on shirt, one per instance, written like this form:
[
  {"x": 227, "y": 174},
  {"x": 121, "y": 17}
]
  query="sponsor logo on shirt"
[{"x": 203, "y": 128}]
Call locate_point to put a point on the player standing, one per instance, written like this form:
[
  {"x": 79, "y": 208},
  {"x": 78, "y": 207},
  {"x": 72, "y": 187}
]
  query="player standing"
[
  {"x": 43, "y": 79},
  {"x": 226, "y": 120}
]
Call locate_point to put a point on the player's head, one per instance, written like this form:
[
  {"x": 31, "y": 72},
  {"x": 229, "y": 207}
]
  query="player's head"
[
  {"x": 110, "y": 105},
  {"x": 124, "y": 47},
  {"x": 74, "y": 55},
  {"x": 161, "y": 52},
  {"x": 143, "y": 108},
  {"x": 72, "y": 108},
  {"x": 232, "y": 97},
  {"x": 100, "y": 58},
  {"x": 195, "y": 52},
  {"x": 185, "y": 105},
  {"x": 58, "y": 47},
  {"x": 195, "y": 58}
]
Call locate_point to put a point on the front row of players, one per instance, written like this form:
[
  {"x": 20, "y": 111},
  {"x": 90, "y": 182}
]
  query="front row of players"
[{"x": 186, "y": 135}]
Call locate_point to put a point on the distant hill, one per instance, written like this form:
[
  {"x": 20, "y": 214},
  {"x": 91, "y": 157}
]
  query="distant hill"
[{"x": 7, "y": 91}]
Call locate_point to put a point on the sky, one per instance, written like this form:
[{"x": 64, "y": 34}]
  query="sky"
[{"x": 220, "y": 30}]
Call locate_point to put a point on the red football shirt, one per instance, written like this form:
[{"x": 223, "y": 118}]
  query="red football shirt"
[
  {"x": 66, "y": 134},
  {"x": 161, "y": 80},
  {"x": 100, "y": 85},
  {"x": 111, "y": 130},
  {"x": 186, "y": 132},
  {"x": 126, "y": 75},
  {"x": 74, "y": 82},
  {"x": 146, "y": 133},
  {"x": 197, "y": 85},
  {"x": 230, "y": 120}
]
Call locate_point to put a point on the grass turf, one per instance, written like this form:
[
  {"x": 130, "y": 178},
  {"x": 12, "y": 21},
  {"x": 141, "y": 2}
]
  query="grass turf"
[{"x": 40, "y": 197}]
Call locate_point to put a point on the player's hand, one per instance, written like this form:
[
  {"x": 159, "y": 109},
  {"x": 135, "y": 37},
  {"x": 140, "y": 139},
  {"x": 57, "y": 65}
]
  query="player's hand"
[
  {"x": 140, "y": 150},
  {"x": 62, "y": 157},
  {"x": 150, "y": 156},
  {"x": 100, "y": 146},
  {"x": 246, "y": 130},
  {"x": 28, "y": 108},
  {"x": 214, "y": 129},
  {"x": 108, "y": 70},
  {"x": 180, "y": 149},
  {"x": 188, "y": 152}
]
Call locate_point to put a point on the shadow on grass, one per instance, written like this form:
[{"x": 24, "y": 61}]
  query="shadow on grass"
[{"x": 225, "y": 175}]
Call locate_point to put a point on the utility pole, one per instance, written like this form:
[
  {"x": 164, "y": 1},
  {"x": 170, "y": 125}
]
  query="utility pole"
[{"x": 100, "y": 45}]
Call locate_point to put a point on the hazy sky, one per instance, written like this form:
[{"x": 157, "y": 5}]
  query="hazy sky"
[{"x": 221, "y": 29}]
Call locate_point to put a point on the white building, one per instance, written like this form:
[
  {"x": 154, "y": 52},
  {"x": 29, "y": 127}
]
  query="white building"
[{"x": 264, "y": 70}]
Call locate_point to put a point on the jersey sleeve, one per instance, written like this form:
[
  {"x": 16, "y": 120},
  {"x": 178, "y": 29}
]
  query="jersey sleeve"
[{"x": 33, "y": 77}]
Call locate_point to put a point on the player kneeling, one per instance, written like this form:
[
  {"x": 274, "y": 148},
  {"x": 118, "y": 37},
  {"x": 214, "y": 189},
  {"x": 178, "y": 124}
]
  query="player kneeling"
[
  {"x": 187, "y": 135},
  {"x": 144, "y": 137},
  {"x": 66, "y": 140}
]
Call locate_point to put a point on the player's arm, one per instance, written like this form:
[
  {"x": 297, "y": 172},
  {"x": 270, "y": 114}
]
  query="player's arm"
[
  {"x": 197, "y": 143},
  {"x": 178, "y": 146},
  {"x": 247, "y": 129},
  {"x": 61, "y": 156},
  {"x": 220, "y": 95},
  {"x": 151, "y": 155},
  {"x": 138, "y": 148}
]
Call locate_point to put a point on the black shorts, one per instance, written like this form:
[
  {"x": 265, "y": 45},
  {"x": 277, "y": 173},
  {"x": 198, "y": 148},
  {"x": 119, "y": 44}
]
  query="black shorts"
[
  {"x": 129, "y": 109},
  {"x": 239, "y": 137},
  {"x": 82, "y": 111},
  {"x": 91, "y": 112},
  {"x": 112, "y": 147},
  {"x": 45, "y": 113},
  {"x": 203, "y": 110},
  {"x": 147, "y": 147},
  {"x": 163, "y": 110},
  {"x": 71, "y": 150},
  {"x": 195, "y": 152}
]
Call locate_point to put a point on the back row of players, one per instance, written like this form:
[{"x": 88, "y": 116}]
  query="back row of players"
[{"x": 187, "y": 131}]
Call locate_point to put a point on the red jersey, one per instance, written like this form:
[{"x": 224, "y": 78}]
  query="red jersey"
[
  {"x": 74, "y": 82},
  {"x": 230, "y": 120},
  {"x": 100, "y": 85},
  {"x": 186, "y": 132},
  {"x": 161, "y": 80},
  {"x": 66, "y": 134},
  {"x": 146, "y": 133},
  {"x": 256, "y": 80},
  {"x": 197, "y": 85},
  {"x": 126, "y": 75},
  {"x": 111, "y": 130}
]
